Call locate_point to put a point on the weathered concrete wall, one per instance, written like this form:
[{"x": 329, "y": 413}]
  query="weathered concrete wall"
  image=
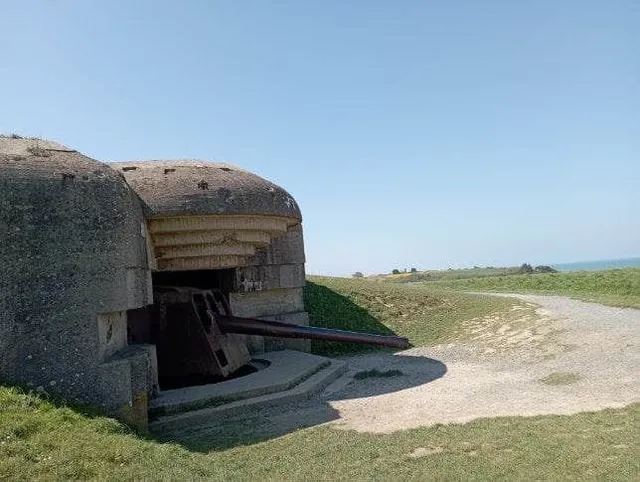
[
  {"x": 283, "y": 250},
  {"x": 74, "y": 259},
  {"x": 270, "y": 287}
]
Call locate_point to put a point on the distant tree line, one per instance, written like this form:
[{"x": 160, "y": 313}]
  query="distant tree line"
[
  {"x": 397, "y": 271},
  {"x": 526, "y": 268}
]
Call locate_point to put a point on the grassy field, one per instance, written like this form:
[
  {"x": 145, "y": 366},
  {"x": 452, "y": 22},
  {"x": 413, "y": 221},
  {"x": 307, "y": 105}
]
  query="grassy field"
[
  {"x": 424, "y": 313},
  {"x": 39, "y": 440},
  {"x": 616, "y": 287},
  {"x": 449, "y": 274}
]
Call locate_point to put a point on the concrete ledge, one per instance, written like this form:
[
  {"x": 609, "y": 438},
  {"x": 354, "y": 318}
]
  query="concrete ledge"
[
  {"x": 285, "y": 370},
  {"x": 303, "y": 390}
]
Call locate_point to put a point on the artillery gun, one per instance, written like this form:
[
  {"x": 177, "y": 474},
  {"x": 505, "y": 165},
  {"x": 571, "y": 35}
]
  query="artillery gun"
[{"x": 198, "y": 338}]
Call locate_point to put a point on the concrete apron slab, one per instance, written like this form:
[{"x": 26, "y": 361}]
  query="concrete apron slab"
[{"x": 290, "y": 377}]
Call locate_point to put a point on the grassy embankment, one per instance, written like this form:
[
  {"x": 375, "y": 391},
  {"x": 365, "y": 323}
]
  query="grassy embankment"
[
  {"x": 449, "y": 274},
  {"x": 423, "y": 313},
  {"x": 615, "y": 287},
  {"x": 40, "y": 440}
]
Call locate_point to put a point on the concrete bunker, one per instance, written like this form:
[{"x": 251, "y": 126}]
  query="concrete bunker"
[
  {"x": 217, "y": 227},
  {"x": 84, "y": 244},
  {"x": 120, "y": 280}
]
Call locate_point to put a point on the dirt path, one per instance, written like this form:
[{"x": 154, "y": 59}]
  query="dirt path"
[{"x": 552, "y": 355}]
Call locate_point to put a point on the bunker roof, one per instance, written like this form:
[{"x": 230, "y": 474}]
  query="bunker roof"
[
  {"x": 195, "y": 187},
  {"x": 31, "y": 158}
]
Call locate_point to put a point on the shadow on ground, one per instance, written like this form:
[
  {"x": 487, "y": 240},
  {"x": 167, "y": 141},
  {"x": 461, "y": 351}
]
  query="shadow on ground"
[
  {"x": 368, "y": 375},
  {"x": 373, "y": 371},
  {"x": 379, "y": 374}
]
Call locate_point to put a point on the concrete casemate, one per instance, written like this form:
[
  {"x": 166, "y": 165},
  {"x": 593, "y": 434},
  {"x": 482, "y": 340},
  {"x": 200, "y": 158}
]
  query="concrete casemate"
[{"x": 83, "y": 243}]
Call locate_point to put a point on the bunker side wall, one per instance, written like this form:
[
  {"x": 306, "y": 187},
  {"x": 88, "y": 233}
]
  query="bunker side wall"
[{"x": 73, "y": 261}]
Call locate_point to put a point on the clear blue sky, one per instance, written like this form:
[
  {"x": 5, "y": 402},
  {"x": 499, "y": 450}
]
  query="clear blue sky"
[{"x": 412, "y": 133}]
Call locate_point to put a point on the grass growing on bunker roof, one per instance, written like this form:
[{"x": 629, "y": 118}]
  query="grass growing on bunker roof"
[
  {"x": 425, "y": 314},
  {"x": 13, "y": 135},
  {"x": 41, "y": 440}
]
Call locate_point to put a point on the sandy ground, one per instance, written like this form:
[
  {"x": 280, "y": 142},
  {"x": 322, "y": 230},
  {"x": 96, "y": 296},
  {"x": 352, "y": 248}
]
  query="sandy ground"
[{"x": 549, "y": 355}]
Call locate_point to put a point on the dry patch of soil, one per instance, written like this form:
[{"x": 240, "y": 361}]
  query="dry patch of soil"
[{"x": 550, "y": 355}]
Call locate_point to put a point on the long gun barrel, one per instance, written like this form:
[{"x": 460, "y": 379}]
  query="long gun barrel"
[{"x": 252, "y": 326}]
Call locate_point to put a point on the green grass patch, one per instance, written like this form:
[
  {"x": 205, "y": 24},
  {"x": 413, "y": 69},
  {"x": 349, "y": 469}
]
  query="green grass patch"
[
  {"x": 375, "y": 373},
  {"x": 615, "y": 287},
  {"x": 424, "y": 313},
  {"x": 561, "y": 378},
  {"x": 39, "y": 440},
  {"x": 450, "y": 274}
]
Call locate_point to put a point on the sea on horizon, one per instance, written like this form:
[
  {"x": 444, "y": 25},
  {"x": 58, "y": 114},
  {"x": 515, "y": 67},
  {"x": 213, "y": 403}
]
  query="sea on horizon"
[{"x": 598, "y": 265}]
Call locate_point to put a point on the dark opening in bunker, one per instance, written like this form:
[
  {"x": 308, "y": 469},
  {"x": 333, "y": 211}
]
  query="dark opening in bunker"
[
  {"x": 221, "y": 279},
  {"x": 191, "y": 349}
]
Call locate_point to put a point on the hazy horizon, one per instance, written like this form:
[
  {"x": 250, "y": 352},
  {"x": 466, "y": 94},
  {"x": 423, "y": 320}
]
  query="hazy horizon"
[
  {"x": 628, "y": 262},
  {"x": 412, "y": 134}
]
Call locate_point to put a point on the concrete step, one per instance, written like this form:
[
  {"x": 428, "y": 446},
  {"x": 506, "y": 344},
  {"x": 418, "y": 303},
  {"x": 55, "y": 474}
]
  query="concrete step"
[{"x": 294, "y": 389}]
